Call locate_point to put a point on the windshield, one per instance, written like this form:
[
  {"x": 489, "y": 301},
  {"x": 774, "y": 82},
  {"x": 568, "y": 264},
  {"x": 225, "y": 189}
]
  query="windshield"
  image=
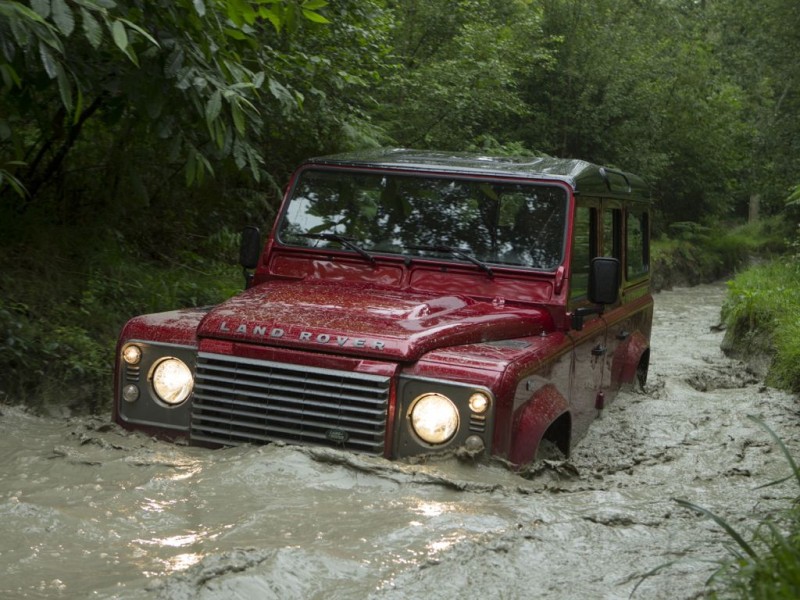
[{"x": 494, "y": 222}]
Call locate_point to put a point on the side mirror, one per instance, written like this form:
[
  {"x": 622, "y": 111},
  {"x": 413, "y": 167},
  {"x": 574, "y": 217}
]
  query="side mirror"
[
  {"x": 604, "y": 278},
  {"x": 250, "y": 247},
  {"x": 249, "y": 252}
]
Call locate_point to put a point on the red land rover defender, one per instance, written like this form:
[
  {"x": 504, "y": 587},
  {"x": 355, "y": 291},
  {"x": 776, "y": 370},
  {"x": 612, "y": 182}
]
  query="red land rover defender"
[{"x": 408, "y": 303}]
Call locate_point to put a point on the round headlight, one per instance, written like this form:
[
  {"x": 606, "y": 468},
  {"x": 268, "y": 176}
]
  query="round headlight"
[
  {"x": 434, "y": 418},
  {"x": 132, "y": 354},
  {"x": 478, "y": 402},
  {"x": 172, "y": 381}
]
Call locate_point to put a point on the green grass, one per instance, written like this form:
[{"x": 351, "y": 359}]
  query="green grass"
[{"x": 762, "y": 315}]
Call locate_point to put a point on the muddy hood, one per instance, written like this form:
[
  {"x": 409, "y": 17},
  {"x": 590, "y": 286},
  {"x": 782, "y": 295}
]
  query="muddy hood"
[{"x": 365, "y": 321}]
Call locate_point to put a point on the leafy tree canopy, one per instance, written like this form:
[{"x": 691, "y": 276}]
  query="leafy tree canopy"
[{"x": 201, "y": 80}]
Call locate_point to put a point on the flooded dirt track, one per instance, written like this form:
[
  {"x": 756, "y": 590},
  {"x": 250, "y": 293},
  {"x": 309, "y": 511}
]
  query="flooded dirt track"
[{"x": 89, "y": 511}]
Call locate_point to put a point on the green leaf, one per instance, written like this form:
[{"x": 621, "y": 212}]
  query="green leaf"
[
  {"x": 784, "y": 450},
  {"x": 281, "y": 93},
  {"x": 274, "y": 15},
  {"x": 50, "y": 64},
  {"x": 734, "y": 535},
  {"x": 78, "y": 106},
  {"x": 213, "y": 106},
  {"x": 135, "y": 27},
  {"x": 64, "y": 87},
  {"x": 203, "y": 166},
  {"x": 314, "y": 4},
  {"x": 91, "y": 29},
  {"x": 235, "y": 34},
  {"x": 238, "y": 117},
  {"x": 200, "y": 7},
  {"x": 42, "y": 7},
  {"x": 63, "y": 17},
  {"x": 120, "y": 36},
  {"x": 10, "y": 77},
  {"x": 314, "y": 17},
  {"x": 217, "y": 130},
  {"x": 253, "y": 159},
  {"x": 174, "y": 62}
]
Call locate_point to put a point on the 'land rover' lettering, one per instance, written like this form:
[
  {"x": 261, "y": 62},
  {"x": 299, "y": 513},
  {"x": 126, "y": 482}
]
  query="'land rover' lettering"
[{"x": 342, "y": 341}]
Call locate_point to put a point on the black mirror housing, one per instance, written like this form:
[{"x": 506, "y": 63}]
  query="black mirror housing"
[{"x": 604, "y": 279}]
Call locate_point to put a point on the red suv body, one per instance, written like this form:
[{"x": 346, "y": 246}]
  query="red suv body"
[{"x": 408, "y": 303}]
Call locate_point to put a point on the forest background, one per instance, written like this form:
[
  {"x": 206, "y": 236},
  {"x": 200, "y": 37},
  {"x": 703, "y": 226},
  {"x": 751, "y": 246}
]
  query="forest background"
[{"x": 138, "y": 137}]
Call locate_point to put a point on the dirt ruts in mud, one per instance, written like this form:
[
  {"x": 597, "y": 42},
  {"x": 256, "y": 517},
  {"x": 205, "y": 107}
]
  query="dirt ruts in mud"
[{"x": 90, "y": 511}]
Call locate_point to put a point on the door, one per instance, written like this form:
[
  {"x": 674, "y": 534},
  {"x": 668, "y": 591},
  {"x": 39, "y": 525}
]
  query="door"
[{"x": 590, "y": 346}]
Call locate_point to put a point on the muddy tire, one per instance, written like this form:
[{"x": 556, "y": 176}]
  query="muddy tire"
[
  {"x": 549, "y": 451},
  {"x": 641, "y": 376}
]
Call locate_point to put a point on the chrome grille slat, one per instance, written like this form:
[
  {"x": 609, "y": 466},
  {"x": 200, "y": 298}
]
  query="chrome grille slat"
[
  {"x": 256, "y": 380},
  {"x": 241, "y": 400},
  {"x": 274, "y": 397},
  {"x": 259, "y": 415},
  {"x": 312, "y": 430}
]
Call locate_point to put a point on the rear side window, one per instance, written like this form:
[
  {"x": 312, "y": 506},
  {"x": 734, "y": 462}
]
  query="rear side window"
[
  {"x": 637, "y": 261},
  {"x": 584, "y": 249}
]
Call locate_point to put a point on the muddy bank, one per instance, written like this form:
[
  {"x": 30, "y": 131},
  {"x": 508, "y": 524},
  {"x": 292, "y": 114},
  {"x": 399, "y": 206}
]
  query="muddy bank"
[{"x": 91, "y": 511}]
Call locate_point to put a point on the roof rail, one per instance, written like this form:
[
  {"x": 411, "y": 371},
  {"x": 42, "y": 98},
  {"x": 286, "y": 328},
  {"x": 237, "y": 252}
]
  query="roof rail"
[{"x": 604, "y": 171}]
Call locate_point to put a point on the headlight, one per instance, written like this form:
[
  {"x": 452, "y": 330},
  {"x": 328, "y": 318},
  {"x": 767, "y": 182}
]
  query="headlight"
[
  {"x": 434, "y": 418},
  {"x": 132, "y": 354},
  {"x": 172, "y": 381},
  {"x": 478, "y": 402}
]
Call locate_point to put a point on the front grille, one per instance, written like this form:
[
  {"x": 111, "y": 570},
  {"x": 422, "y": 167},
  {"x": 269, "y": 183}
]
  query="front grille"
[{"x": 241, "y": 401}]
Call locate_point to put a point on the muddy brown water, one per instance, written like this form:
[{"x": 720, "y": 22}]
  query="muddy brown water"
[{"x": 89, "y": 511}]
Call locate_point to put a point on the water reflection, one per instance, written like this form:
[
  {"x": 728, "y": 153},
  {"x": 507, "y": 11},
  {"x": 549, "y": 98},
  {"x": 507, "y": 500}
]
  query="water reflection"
[{"x": 145, "y": 547}]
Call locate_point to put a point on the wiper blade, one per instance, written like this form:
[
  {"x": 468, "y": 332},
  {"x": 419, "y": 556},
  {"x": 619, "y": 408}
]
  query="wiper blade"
[
  {"x": 455, "y": 251},
  {"x": 340, "y": 239}
]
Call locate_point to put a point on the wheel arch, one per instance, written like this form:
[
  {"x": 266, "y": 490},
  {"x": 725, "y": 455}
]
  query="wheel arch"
[{"x": 544, "y": 416}]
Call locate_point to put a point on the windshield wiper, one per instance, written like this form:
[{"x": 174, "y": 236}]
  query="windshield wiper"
[
  {"x": 340, "y": 239},
  {"x": 455, "y": 251}
]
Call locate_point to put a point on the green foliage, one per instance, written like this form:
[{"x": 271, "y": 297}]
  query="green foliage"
[
  {"x": 197, "y": 83},
  {"x": 457, "y": 71},
  {"x": 62, "y": 304},
  {"x": 762, "y": 313},
  {"x": 690, "y": 253}
]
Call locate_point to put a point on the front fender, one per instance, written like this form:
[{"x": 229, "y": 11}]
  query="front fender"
[{"x": 533, "y": 419}]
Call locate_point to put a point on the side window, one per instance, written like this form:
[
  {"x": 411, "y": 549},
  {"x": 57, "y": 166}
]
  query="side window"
[
  {"x": 637, "y": 261},
  {"x": 584, "y": 249},
  {"x": 612, "y": 232}
]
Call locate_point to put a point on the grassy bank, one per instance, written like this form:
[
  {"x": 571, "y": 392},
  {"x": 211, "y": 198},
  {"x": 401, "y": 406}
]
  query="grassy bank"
[
  {"x": 689, "y": 253},
  {"x": 762, "y": 317}
]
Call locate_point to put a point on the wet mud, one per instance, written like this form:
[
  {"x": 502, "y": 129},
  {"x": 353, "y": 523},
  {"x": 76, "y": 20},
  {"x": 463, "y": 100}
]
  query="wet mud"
[{"x": 90, "y": 511}]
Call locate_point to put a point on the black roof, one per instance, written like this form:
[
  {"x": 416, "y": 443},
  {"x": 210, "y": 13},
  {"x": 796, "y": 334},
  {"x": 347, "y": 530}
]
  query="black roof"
[{"x": 584, "y": 177}]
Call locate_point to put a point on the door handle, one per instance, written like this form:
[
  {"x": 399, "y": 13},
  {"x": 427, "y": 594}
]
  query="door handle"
[
  {"x": 623, "y": 335},
  {"x": 599, "y": 350}
]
